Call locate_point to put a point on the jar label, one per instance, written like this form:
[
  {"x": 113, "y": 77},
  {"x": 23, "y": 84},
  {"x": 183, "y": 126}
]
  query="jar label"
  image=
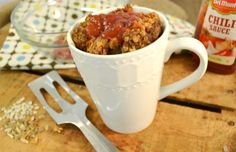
[
  {"x": 224, "y": 6},
  {"x": 219, "y": 31}
]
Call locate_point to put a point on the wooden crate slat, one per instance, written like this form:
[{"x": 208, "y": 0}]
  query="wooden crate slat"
[
  {"x": 213, "y": 89},
  {"x": 174, "y": 127}
]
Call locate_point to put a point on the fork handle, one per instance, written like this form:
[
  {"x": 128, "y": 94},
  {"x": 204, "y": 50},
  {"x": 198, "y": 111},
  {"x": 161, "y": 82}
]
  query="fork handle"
[{"x": 95, "y": 137}]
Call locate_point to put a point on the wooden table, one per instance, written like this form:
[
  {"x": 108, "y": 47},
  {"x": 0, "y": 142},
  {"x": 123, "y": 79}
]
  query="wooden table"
[{"x": 200, "y": 118}]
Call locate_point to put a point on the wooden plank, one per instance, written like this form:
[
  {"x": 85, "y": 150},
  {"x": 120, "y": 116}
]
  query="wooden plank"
[
  {"x": 3, "y": 33},
  {"x": 213, "y": 89},
  {"x": 175, "y": 128},
  {"x": 222, "y": 87},
  {"x": 6, "y": 8}
]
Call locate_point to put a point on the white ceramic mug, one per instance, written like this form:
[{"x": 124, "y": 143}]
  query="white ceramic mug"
[{"x": 126, "y": 87}]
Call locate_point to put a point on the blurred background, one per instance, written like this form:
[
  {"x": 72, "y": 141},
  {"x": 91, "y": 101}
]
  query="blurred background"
[
  {"x": 191, "y": 7},
  {"x": 184, "y": 9}
]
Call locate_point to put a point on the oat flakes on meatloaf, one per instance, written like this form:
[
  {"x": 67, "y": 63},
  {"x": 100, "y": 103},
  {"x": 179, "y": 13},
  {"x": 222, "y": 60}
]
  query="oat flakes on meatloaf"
[{"x": 143, "y": 30}]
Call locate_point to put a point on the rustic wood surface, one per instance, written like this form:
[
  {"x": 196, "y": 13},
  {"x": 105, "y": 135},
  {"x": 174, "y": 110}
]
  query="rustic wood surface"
[
  {"x": 212, "y": 90},
  {"x": 175, "y": 128},
  {"x": 223, "y": 95},
  {"x": 3, "y": 33}
]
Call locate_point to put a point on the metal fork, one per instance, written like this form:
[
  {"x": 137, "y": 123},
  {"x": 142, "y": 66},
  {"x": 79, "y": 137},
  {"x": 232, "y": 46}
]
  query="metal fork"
[{"x": 71, "y": 113}]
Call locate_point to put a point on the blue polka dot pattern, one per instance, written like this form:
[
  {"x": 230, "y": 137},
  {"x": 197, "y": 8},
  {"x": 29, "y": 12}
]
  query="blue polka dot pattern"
[
  {"x": 14, "y": 53},
  {"x": 36, "y": 22},
  {"x": 20, "y": 58},
  {"x": 6, "y": 46}
]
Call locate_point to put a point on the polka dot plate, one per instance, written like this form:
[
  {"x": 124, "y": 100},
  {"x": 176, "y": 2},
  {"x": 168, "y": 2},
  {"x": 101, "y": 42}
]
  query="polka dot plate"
[{"x": 16, "y": 54}]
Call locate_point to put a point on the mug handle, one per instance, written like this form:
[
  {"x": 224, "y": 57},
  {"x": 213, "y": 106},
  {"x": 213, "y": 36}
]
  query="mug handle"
[{"x": 194, "y": 46}]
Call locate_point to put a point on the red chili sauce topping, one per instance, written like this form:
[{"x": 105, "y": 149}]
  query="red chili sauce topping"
[{"x": 111, "y": 25}]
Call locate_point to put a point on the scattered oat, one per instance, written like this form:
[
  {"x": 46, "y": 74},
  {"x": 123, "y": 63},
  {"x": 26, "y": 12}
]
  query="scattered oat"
[
  {"x": 11, "y": 136},
  {"x": 225, "y": 148},
  {"x": 35, "y": 140},
  {"x": 32, "y": 118},
  {"x": 57, "y": 129},
  {"x": 41, "y": 116},
  {"x": 24, "y": 140},
  {"x": 41, "y": 129},
  {"x": 36, "y": 107},
  {"x": 21, "y": 122},
  {"x": 20, "y": 100},
  {"x": 46, "y": 127}
]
